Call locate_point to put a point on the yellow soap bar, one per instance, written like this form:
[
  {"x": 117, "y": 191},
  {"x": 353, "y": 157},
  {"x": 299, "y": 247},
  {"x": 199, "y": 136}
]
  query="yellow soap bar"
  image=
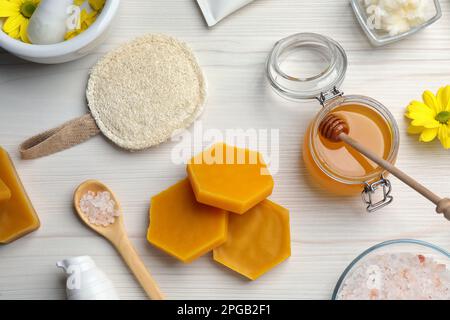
[
  {"x": 257, "y": 240},
  {"x": 17, "y": 216},
  {"x": 230, "y": 178},
  {"x": 5, "y": 193},
  {"x": 183, "y": 227}
]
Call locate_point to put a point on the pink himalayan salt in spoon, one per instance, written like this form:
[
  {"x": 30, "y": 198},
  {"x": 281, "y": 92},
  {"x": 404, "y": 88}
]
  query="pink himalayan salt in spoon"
[
  {"x": 92, "y": 193},
  {"x": 99, "y": 208}
]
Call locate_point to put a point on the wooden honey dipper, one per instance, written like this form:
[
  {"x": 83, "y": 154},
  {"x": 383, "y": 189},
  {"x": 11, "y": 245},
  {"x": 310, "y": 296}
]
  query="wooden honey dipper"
[{"x": 336, "y": 129}]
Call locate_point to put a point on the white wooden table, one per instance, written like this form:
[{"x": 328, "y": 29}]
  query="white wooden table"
[{"x": 327, "y": 232}]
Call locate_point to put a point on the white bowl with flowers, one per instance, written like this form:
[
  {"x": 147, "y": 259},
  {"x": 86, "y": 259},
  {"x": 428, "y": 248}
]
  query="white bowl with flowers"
[{"x": 34, "y": 30}]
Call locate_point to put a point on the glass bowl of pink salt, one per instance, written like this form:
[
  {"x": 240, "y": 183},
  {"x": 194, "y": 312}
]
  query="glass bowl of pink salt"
[{"x": 403, "y": 269}]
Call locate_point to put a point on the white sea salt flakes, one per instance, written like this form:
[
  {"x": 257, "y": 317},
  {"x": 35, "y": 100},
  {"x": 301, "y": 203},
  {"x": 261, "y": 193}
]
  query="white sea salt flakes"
[
  {"x": 99, "y": 208},
  {"x": 399, "y": 276}
]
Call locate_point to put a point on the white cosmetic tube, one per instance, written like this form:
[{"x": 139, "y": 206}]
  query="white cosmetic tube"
[{"x": 216, "y": 10}]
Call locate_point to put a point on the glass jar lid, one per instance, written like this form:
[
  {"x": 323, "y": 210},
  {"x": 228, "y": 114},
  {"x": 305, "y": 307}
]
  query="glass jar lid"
[{"x": 306, "y": 65}]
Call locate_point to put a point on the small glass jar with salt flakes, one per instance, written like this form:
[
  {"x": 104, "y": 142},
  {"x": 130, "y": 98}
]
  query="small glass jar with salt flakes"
[
  {"x": 388, "y": 21},
  {"x": 404, "y": 269}
]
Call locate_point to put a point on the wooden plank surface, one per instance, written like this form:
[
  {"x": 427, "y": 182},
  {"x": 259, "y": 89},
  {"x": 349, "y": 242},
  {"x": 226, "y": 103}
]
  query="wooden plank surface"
[{"x": 327, "y": 231}]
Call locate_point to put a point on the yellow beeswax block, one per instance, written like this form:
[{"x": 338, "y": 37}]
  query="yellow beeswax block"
[
  {"x": 17, "y": 216},
  {"x": 5, "y": 193},
  {"x": 230, "y": 178},
  {"x": 183, "y": 227},
  {"x": 257, "y": 240}
]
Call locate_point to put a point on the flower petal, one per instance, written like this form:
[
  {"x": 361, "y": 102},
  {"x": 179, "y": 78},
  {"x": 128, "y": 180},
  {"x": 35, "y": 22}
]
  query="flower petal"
[
  {"x": 15, "y": 34},
  {"x": 424, "y": 122},
  {"x": 430, "y": 124},
  {"x": 419, "y": 106},
  {"x": 428, "y": 134},
  {"x": 8, "y": 9},
  {"x": 12, "y": 23},
  {"x": 72, "y": 33},
  {"x": 415, "y": 130},
  {"x": 90, "y": 19},
  {"x": 431, "y": 101},
  {"x": 447, "y": 94},
  {"x": 443, "y": 96},
  {"x": 23, "y": 31},
  {"x": 418, "y": 109},
  {"x": 444, "y": 137},
  {"x": 419, "y": 115}
]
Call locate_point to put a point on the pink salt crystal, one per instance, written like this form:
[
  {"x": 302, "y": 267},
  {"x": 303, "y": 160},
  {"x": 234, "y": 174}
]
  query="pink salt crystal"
[
  {"x": 421, "y": 258},
  {"x": 373, "y": 294},
  {"x": 99, "y": 208}
]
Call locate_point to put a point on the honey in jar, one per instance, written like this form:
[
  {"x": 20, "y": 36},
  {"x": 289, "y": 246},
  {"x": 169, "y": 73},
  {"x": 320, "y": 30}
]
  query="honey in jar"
[
  {"x": 307, "y": 66},
  {"x": 17, "y": 216},
  {"x": 339, "y": 168}
]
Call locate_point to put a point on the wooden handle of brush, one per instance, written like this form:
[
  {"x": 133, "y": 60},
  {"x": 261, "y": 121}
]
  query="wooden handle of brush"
[
  {"x": 134, "y": 262},
  {"x": 443, "y": 204}
]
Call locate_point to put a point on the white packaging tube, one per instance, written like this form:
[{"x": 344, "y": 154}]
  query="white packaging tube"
[
  {"x": 216, "y": 10},
  {"x": 85, "y": 281}
]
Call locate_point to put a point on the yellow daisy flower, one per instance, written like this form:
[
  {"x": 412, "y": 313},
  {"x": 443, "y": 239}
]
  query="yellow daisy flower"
[
  {"x": 17, "y": 14},
  {"x": 431, "y": 118}
]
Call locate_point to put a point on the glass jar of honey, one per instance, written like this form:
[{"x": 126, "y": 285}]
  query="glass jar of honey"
[{"x": 309, "y": 66}]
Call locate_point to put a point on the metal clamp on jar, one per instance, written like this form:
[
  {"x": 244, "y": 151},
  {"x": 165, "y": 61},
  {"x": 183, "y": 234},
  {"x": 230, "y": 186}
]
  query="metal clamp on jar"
[{"x": 308, "y": 66}]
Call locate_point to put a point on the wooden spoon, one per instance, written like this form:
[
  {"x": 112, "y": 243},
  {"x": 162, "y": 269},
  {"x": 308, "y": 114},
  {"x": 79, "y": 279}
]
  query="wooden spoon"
[
  {"x": 116, "y": 234},
  {"x": 336, "y": 129}
]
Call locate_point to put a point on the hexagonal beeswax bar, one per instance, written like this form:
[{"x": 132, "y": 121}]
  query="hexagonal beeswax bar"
[
  {"x": 183, "y": 227},
  {"x": 257, "y": 240},
  {"x": 230, "y": 178}
]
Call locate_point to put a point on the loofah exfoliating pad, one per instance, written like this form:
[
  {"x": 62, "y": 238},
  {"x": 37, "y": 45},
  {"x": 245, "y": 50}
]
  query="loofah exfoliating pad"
[
  {"x": 139, "y": 95},
  {"x": 146, "y": 90}
]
